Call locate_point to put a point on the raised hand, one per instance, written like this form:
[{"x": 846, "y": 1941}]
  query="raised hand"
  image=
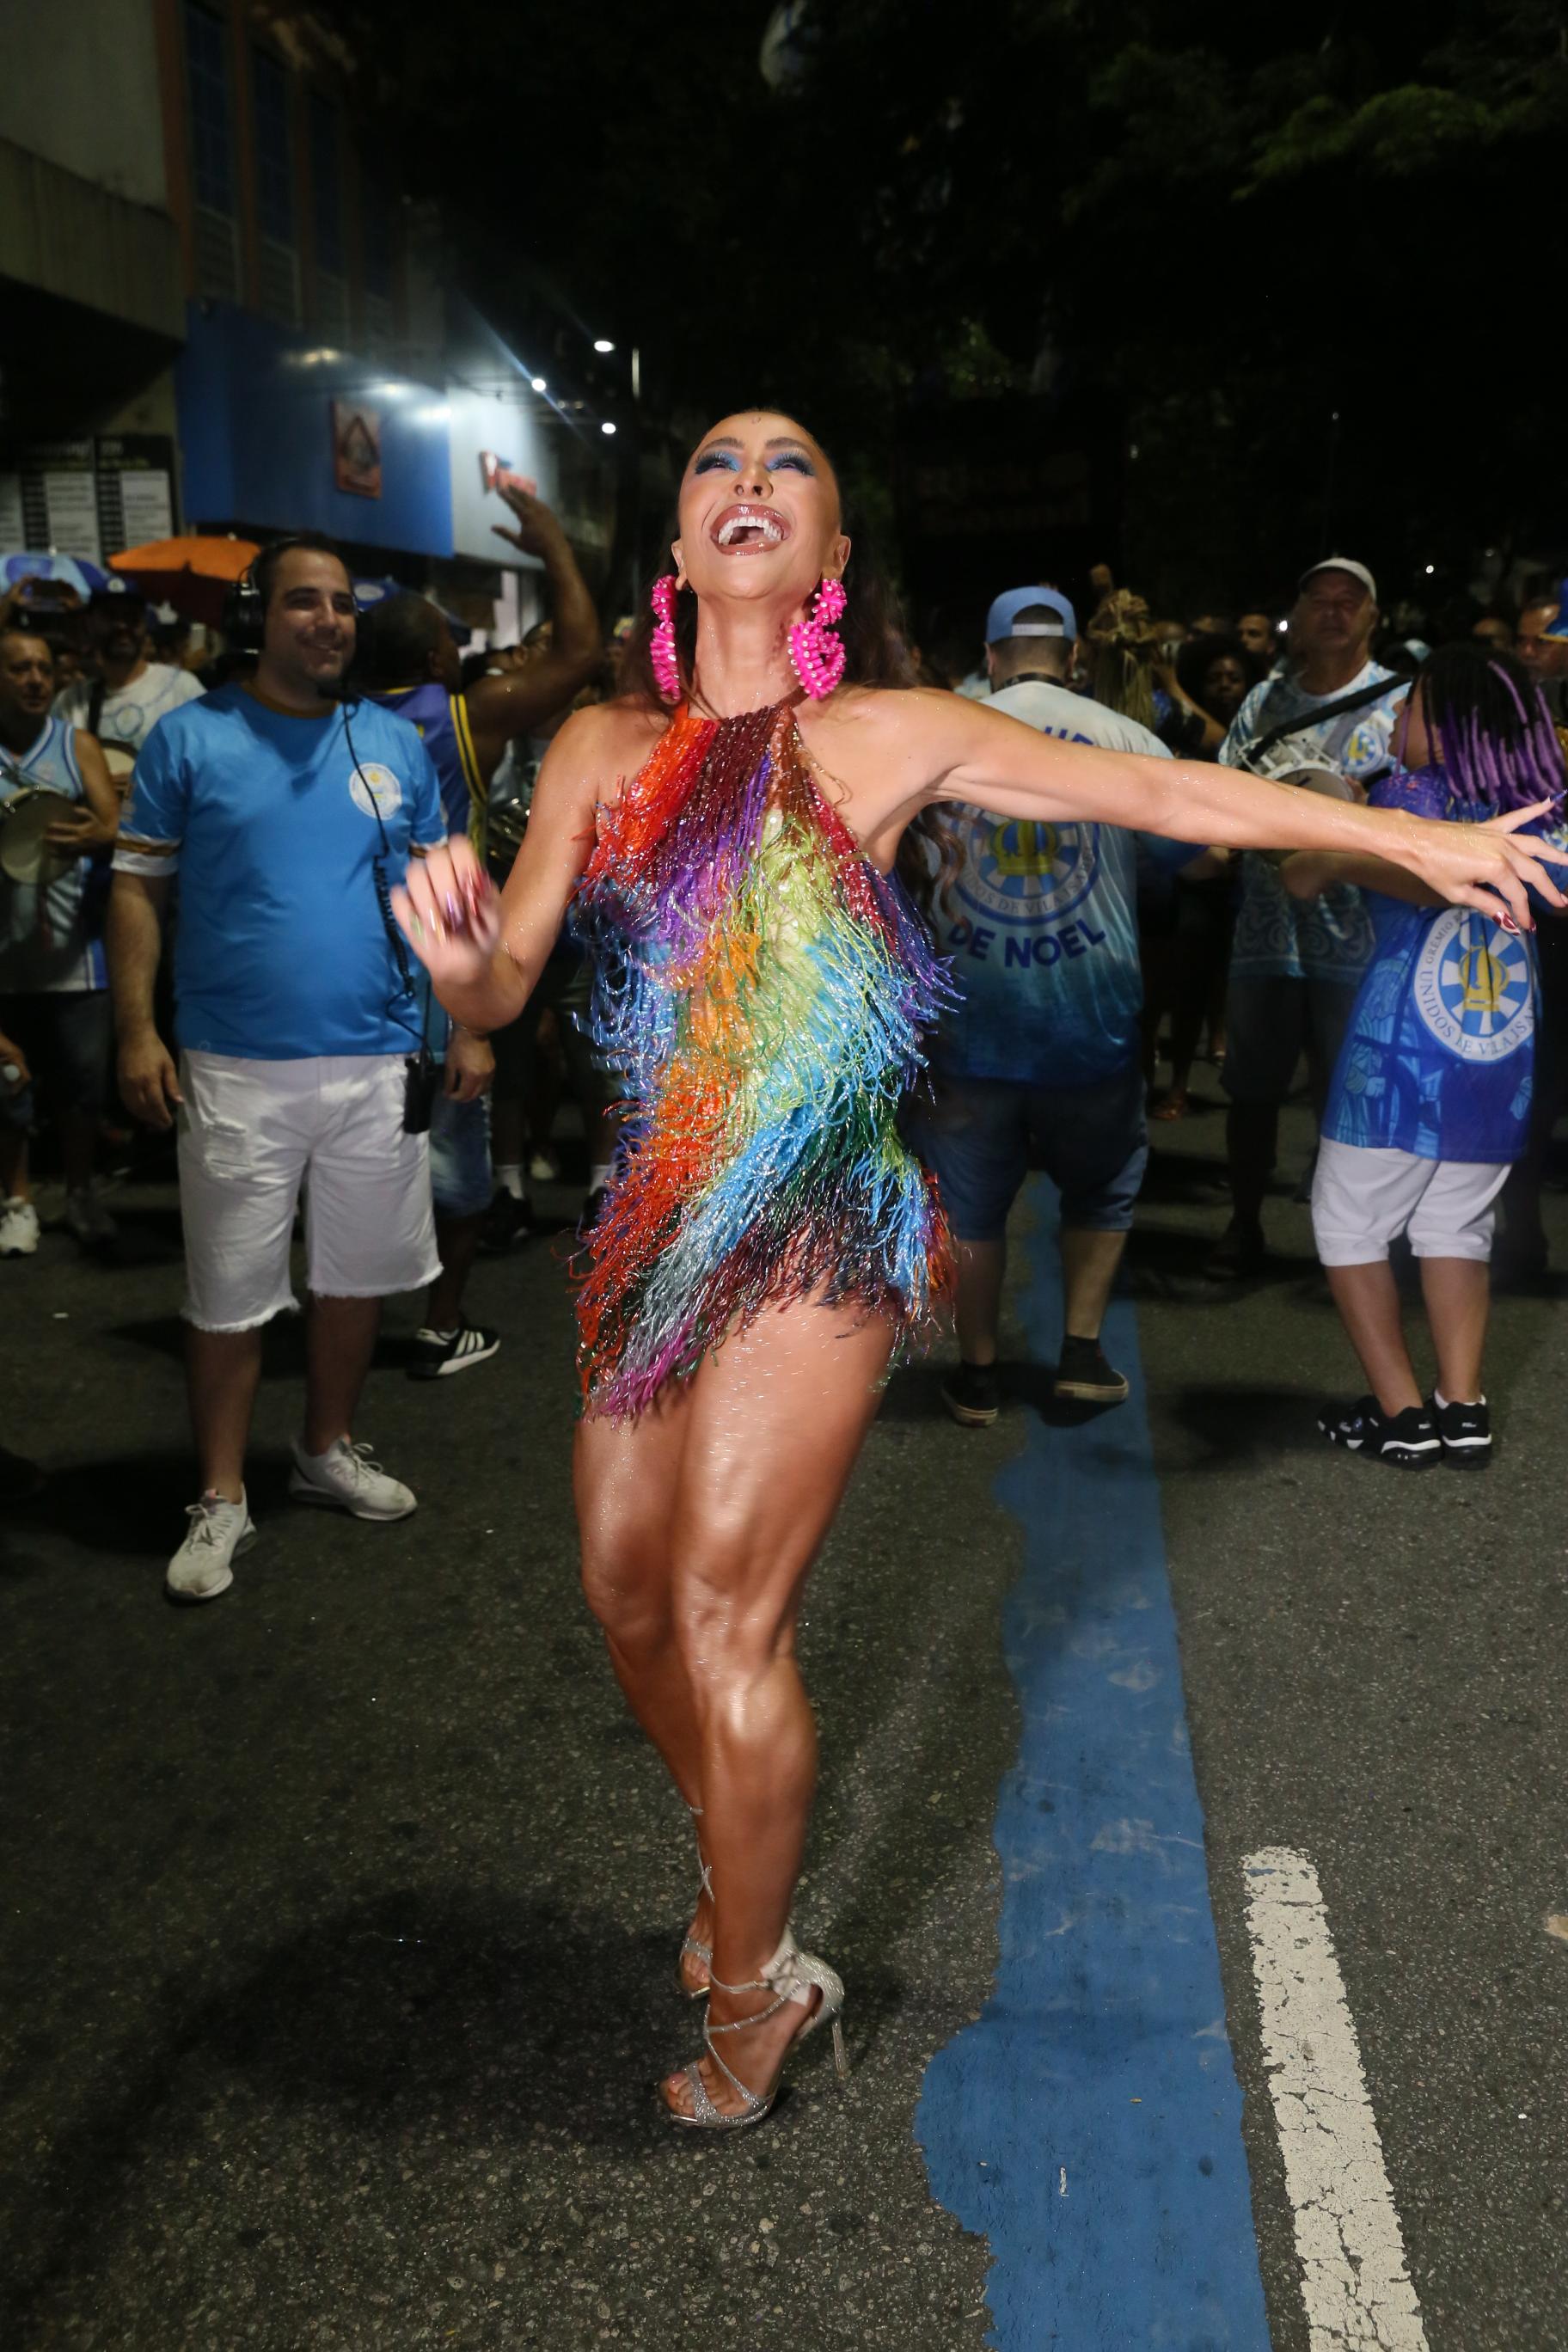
[
  {"x": 539, "y": 525},
  {"x": 448, "y": 909},
  {"x": 1478, "y": 864}
]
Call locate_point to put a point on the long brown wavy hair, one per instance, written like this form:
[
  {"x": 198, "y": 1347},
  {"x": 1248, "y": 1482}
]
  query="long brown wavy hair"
[
  {"x": 876, "y": 654},
  {"x": 1122, "y": 644}
]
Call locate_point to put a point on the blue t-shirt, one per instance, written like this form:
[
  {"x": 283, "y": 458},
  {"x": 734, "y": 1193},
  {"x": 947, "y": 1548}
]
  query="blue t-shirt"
[
  {"x": 281, "y": 952},
  {"x": 1440, "y": 1056},
  {"x": 1041, "y": 923}
]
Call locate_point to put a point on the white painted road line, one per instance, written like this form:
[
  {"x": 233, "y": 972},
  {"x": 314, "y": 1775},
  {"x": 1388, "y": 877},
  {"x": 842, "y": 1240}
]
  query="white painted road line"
[{"x": 1354, "y": 2280}]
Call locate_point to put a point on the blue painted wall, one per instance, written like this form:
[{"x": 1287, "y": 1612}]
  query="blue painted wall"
[{"x": 256, "y": 435}]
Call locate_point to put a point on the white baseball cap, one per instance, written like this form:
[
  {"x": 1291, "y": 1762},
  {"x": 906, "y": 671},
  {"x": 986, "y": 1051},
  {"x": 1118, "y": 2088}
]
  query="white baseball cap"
[{"x": 1341, "y": 563}]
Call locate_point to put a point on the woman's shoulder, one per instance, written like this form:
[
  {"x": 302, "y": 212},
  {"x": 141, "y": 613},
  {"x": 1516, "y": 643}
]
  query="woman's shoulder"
[
  {"x": 615, "y": 733},
  {"x": 592, "y": 754},
  {"x": 893, "y": 712}
]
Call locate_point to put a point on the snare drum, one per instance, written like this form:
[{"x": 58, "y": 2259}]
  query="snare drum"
[{"x": 25, "y": 818}]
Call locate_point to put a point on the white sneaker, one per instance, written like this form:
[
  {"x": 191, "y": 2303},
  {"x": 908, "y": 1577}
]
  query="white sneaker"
[
  {"x": 18, "y": 1229},
  {"x": 204, "y": 1565},
  {"x": 346, "y": 1479},
  {"x": 88, "y": 1220}
]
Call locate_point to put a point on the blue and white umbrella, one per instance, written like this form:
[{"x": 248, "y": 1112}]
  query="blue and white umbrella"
[{"x": 67, "y": 571}]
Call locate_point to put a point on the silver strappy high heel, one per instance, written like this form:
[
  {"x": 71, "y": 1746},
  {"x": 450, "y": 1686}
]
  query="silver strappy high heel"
[
  {"x": 791, "y": 1974},
  {"x": 703, "y": 1952}
]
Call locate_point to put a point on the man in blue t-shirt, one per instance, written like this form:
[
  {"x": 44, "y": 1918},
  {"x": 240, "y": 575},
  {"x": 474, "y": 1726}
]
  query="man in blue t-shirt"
[
  {"x": 287, "y": 816},
  {"x": 1040, "y": 1059}
]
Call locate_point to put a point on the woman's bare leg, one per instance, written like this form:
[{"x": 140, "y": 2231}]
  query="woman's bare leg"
[
  {"x": 626, "y": 1476},
  {"x": 776, "y": 1419}
]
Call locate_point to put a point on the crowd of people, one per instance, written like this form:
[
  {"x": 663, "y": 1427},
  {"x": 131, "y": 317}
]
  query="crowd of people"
[
  {"x": 203, "y": 830},
  {"x": 1434, "y": 1046},
  {"x": 858, "y": 953}
]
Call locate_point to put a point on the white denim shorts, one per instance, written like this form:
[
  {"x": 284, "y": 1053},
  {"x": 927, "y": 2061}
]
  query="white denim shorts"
[
  {"x": 1362, "y": 1196},
  {"x": 251, "y": 1134}
]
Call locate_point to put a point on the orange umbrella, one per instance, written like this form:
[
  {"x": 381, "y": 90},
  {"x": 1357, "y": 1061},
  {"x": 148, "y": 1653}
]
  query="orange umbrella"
[{"x": 193, "y": 573}]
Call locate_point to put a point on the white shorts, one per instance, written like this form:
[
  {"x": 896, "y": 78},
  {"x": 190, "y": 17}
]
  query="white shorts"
[
  {"x": 1362, "y": 1196},
  {"x": 250, "y": 1133}
]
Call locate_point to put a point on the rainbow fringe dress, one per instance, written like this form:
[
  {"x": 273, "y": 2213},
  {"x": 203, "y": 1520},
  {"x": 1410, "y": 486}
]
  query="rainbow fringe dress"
[{"x": 759, "y": 991}]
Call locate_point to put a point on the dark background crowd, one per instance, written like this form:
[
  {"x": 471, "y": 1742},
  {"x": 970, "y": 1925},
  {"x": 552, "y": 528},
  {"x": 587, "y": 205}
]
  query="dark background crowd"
[{"x": 105, "y": 671}]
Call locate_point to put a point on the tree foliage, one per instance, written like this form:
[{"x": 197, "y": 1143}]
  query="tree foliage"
[{"x": 1233, "y": 230}]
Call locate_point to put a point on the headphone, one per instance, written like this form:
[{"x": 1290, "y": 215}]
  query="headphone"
[{"x": 245, "y": 606}]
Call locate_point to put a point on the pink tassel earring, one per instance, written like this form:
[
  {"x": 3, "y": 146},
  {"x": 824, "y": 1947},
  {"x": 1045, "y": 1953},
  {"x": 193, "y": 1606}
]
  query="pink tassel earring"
[
  {"x": 661, "y": 651},
  {"x": 816, "y": 654}
]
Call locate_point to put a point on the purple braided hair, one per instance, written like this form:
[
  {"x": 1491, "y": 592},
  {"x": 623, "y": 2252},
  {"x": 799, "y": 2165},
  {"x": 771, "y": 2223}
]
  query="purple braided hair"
[{"x": 1499, "y": 747}]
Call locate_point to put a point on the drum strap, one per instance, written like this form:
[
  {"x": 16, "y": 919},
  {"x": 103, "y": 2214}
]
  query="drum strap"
[{"x": 1308, "y": 718}]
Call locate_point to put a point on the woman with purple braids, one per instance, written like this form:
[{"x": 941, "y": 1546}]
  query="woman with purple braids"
[
  {"x": 1429, "y": 1103},
  {"x": 728, "y": 833}
]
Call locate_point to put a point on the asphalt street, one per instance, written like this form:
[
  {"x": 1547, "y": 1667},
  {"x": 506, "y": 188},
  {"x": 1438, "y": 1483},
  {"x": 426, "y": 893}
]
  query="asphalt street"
[{"x": 340, "y": 1917}]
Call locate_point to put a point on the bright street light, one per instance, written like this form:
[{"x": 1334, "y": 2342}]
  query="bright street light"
[
  {"x": 602, "y": 345},
  {"x": 537, "y": 382},
  {"x": 606, "y": 427}
]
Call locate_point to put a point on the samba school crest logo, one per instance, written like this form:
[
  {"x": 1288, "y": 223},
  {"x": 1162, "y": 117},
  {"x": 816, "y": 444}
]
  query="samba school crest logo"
[
  {"x": 1021, "y": 870},
  {"x": 1473, "y": 987},
  {"x": 374, "y": 790}
]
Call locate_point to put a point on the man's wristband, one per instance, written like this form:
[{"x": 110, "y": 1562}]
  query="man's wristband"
[{"x": 479, "y": 1036}]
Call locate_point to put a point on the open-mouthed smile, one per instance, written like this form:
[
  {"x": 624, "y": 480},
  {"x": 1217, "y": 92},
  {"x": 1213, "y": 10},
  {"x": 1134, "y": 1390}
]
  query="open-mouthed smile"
[{"x": 747, "y": 530}]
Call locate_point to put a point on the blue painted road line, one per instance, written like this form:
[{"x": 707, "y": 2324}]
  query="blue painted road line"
[{"x": 1089, "y": 2124}]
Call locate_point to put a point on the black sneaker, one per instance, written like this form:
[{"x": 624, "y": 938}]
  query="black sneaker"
[
  {"x": 1466, "y": 1430},
  {"x": 1084, "y": 1377},
  {"x": 507, "y": 1222},
  {"x": 1405, "y": 1441},
  {"x": 434, "y": 1353},
  {"x": 973, "y": 1394}
]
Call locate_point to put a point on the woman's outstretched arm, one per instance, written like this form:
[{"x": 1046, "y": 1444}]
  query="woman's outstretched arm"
[
  {"x": 484, "y": 949},
  {"x": 995, "y": 762}
]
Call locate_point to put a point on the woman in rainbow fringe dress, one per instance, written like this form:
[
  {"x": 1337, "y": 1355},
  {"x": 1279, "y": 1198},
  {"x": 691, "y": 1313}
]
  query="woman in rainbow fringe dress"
[{"x": 727, "y": 834}]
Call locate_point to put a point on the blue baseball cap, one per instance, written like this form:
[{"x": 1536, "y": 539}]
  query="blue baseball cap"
[{"x": 1000, "y": 619}]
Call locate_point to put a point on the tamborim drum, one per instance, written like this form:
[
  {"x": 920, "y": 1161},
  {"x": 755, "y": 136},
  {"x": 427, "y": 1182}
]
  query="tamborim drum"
[{"x": 25, "y": 818}]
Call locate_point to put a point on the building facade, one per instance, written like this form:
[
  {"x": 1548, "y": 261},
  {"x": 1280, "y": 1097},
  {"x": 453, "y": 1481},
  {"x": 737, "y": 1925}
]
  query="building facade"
[{"x": 218, "y": 311}]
